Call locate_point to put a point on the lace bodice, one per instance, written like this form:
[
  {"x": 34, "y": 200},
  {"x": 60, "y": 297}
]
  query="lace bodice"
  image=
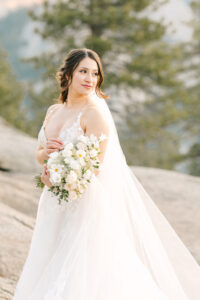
[{"x": 67, "y": 135}]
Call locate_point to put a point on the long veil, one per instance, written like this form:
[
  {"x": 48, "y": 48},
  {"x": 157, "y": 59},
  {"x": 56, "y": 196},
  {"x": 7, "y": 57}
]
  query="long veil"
[{"x": 159, "y": 247}]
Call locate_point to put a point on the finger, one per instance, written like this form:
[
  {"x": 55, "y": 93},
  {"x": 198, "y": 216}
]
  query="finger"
[
  {"x": 49, "y": 151},
  {"x": 55, "y": 147},
  {"x": 55, "y": 140}
]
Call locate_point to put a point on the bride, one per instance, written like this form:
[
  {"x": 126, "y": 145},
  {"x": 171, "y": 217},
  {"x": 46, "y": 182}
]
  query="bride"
[{"x": 112, "y": 243}]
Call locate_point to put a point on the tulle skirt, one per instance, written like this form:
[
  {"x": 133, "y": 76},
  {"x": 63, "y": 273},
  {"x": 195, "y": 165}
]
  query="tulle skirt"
[
  {"x": 84, "y": 250},
  {"x": 99, "y": 247}
]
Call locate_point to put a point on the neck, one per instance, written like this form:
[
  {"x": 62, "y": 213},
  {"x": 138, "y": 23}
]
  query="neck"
[{"x": 76, "y": 101}]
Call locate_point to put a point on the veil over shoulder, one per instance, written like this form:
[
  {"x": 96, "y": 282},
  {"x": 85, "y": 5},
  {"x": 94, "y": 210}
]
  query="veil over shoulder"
[
  {"x": 159, "y": 247},
  {"x": 113, "y": 244}
]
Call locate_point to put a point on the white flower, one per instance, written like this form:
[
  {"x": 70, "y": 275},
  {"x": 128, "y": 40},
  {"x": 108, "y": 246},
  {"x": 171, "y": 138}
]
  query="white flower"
[
  {"x": 67, "y": 160},
  {"x": 55, "y": 168},
  {"x": 68, "y": 186},
  {"x": 72, "y": 195},
  {"x": 67, "y": 152},
  {"x": 84, "y": 182},
  {"x": 96, "y": 144},
  {"x": 50, "y": 162},
  {"x": 81, "y": 146},
  {"x": 54, "y": 154},
  {"x": 93, "y": 153},
  {"x": 81, "y": 189},
  {"x": 80, "y": 153},
  {"x": 83, "y": 138},
  {"x": 87, "y": 174},
  {"x": 74, "y": 164},
  {"x": 71, "y": 177},
  {"x": 69, "y": 146},
  {"x": 102, "y": 137},
  {"x": 93, "y": 138},
  {"x": 55, "y": 178},
  {"x": 82, "y": 162}
]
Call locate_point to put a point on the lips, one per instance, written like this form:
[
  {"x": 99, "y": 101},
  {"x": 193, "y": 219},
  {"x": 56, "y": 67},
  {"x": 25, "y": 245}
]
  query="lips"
[{"x": 87, "y": 86}]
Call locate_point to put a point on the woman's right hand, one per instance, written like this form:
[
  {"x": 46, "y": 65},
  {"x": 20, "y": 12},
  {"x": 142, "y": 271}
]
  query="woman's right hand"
[{"x": 53, "y": 145}]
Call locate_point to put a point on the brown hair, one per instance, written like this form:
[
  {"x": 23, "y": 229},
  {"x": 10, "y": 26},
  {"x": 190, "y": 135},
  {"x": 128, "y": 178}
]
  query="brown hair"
[{"x": 65, "y": 72}]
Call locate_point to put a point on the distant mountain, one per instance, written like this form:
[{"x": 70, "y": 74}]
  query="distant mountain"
[{"x": 19, "y": 40}]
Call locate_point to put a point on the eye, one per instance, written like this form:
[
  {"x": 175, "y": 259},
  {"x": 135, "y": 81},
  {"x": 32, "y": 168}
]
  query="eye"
[
  {"x": 96, "y": 74},
  {"x": 83, "y": 71}
]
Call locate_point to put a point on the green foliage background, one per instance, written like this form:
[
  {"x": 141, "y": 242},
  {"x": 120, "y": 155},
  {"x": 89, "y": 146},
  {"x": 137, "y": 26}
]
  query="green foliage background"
[{"x": 135, "y": 55}]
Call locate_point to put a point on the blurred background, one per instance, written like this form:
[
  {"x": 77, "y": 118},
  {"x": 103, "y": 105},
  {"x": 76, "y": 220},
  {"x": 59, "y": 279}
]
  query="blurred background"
[{"x": 150, "y": 51}]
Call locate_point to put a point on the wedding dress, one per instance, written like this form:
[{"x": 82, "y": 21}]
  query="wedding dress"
[{"x": 112, "y": 243}]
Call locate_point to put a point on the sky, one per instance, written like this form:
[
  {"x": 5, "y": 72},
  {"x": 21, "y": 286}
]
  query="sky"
[
  {"x": 9, "y": 5},
  {"x": 176, "y": 11}
]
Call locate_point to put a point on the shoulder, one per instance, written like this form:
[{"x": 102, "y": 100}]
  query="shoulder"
[
  {"x": 95, "y": 121},
  {"x": 53, "y": 107}
]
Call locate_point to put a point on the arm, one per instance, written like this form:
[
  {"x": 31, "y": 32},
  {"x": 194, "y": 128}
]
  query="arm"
[
  {"x": 41, "y": 152},
  {"x": 96, "y": 124},
  {"x": 41, "y": 155}
]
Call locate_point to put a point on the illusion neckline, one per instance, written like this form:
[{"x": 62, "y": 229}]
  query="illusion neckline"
[{"x": 63, "y": 130}]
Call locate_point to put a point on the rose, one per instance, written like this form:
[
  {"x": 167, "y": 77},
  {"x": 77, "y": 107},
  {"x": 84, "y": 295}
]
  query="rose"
[
  {"x": 67, "y": 153},
  {"x": 72, "y": 195},
  {"x": 71, "y": 177},
  {"x": 93, "y": 153},
  {"x": 81, "y": 146},
  {"x": 74, "y": 164},
  {"x": 55, "y": 178}
]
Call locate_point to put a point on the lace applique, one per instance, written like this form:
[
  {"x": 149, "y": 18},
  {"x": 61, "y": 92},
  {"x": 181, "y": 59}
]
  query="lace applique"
[{"x": 66, "y": 135}]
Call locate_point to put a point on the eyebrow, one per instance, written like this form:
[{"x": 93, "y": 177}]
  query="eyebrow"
[{"x": 88, "y": 69}]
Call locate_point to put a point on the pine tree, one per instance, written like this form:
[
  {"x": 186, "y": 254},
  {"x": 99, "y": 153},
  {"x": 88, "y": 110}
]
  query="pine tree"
[
  {"x": 135, "y": 54},
  {"x": 11, "y": 92},
  {"x": 190, "y": 63}
]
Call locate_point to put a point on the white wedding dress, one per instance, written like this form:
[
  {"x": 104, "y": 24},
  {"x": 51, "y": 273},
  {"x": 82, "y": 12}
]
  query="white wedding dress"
[{"x": 113, "y": 243}]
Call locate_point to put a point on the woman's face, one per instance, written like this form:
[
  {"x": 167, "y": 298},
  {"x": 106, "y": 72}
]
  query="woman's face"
[{"x": 85, "y": 77}]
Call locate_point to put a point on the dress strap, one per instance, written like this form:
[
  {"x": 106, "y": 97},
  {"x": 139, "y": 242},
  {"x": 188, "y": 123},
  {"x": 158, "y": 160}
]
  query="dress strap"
[{"x": 49, "y": 113}]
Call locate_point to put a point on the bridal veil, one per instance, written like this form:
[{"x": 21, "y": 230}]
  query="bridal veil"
[{"x": 159, "y": 247}]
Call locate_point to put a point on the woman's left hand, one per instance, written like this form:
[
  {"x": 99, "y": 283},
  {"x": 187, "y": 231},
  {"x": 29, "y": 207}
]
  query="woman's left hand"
[{"x": 45, "y": 176}]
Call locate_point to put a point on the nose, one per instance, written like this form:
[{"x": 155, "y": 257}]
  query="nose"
[{"x": 88, "y": 77}]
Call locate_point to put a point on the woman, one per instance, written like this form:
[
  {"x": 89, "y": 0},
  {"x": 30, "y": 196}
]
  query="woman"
[{"x": 112, "y": 243}]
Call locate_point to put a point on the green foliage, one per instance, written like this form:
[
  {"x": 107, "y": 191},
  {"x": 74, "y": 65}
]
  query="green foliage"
[
  {"x": 11, "y": 92},
  {"x": 135, "y": 54},
  {"x": 191, "y": 99},
  {"x": 38, "y": 181}
]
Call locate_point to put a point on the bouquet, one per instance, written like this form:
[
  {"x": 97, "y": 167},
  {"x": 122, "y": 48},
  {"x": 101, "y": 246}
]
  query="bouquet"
[{"x": 72, "y": 168}]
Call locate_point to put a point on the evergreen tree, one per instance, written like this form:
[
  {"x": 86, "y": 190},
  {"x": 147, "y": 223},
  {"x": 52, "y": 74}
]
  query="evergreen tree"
[
  {"x": 11, "y": 92},
  {"x": 190, "y": 63},
  {"x": 134, "y": 54}
]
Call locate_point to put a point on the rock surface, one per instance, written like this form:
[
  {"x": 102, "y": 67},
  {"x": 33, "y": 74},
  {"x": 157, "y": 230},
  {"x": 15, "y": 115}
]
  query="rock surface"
[
  {"x": 17, "y": 150},
  {"x": 176, "y": 195}
]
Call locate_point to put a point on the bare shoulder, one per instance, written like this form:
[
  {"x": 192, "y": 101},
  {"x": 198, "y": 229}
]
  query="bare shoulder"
[
  {"x": 95, "y": 121},
  {"x": 52, "y": 107}
]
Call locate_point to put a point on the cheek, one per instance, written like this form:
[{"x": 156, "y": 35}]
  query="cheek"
[
  {"x": 76, "y": 78},
  {"x": 96, "y": 80}
]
